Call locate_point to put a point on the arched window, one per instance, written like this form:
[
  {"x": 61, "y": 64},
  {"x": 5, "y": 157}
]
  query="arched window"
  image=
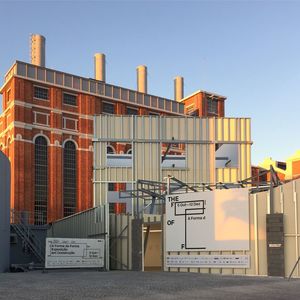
[
  {"x": 41, "y": 180},
  {"x": 70, "y": 186},
  {"x": 110, "y": 150}
]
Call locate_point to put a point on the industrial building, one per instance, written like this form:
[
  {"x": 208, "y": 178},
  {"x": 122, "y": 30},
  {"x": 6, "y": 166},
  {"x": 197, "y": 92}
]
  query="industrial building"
[{"x": 46, "y": 129}]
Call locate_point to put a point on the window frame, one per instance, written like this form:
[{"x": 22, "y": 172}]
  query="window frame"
[
  {"x": 40, "y": 87},
  {"x": 109, "y": 103},
  {"x": 132, "y": 108},
  {"x": 71, "y": 94},
  {"x": 70, "y": 184}
]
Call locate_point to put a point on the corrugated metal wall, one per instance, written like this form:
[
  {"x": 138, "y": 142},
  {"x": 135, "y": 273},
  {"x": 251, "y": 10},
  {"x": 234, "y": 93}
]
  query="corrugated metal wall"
[
  {"x": 120, "y": 242},
  {"x": 146, "y": 134},
  {"x": 86, "y": 224},
  {"x": 93, "y": 223}
]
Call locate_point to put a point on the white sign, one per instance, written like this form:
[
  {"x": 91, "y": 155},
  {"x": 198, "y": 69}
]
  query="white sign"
[
  {"x": 208, "y": 221},
  {"x": 208, "y": 261},
  {"x": 74, "y": 253}
]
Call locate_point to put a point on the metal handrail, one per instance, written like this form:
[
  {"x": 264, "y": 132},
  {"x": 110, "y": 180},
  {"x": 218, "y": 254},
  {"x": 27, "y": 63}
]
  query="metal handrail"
[{"x": 20, "y": 222}]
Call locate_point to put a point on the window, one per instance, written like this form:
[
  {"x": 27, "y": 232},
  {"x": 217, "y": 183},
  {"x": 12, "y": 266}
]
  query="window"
[
  {"x": 110, "y": 150},
  {"x": 41, "y": 180},
  {"x": 173, "y": 155},
  {"x": 212, "y": 106},
  {"x": 108, "y": 108},
  {"x": 70, "y": 99},
  {"x": 40, "y": 93},
  {"x": 153, "y": 114},
  {"x": 191, "y": 110},
  {"x": 111, "y": 186},
  {"x": 118, "y": 155},
  {"x": 69, "y": 175},
  {"x": 131, "y": 111},
  {"x": 8, "y": 95},
  {"x": 227, "y": 156}
]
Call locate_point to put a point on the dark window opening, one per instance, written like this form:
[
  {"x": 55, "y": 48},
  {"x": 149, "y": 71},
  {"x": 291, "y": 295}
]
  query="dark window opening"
[
  {"x": 70, "y": 99},
  {"x": 40, "y": 93},
  {"x": 111, "y": 186},
  {"x": 69, "y": 175},
  {"x": 110, "y": 150},
  {"x": 41, "y": 180},
  {"x": 131, "y": 111},
  {"x": 212, "y": 106},
  {"x": 281, "y": 165},
  {"x": 108, "y": 108},
  {"x": 153, "y": 114}
]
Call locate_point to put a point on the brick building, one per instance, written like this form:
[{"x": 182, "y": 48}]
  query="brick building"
[
  {"x": 286, "y": 170},
  {"x": 46, "y": 129}
]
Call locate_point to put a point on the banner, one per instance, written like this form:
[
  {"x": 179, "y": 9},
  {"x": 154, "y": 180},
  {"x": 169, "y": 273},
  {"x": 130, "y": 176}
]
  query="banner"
[
  {"x": 74, "y": 253},
  {"x": 208, "y": 221}
]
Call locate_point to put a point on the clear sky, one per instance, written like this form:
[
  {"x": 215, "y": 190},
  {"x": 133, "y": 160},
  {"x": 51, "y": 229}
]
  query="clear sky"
[{"x": 248, "y": 51}]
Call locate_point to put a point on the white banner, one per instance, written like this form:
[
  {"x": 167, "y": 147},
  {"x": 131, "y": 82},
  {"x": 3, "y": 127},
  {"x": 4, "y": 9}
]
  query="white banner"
[
  {"x": 208, "y": 221},
  {"x": 74, "y": 253}
]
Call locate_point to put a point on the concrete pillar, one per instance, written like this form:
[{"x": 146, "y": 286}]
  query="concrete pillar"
[
  {"x": 178, "y": 88},
  {"x": 38, "y": 50},
  {"x": 99, "y": 64},
  {"x": 142, "y": 79}
]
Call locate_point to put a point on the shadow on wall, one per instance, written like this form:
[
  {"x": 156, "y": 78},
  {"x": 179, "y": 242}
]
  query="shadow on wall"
[{"x": 4, "y": 212}]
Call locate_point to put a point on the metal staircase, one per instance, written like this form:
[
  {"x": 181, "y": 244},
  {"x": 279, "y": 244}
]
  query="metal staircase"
[{"x": 22, "y": 228}]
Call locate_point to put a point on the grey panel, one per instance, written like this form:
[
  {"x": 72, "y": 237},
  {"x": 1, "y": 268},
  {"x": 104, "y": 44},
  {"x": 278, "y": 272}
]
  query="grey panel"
[{"x": 4, "y": 212}]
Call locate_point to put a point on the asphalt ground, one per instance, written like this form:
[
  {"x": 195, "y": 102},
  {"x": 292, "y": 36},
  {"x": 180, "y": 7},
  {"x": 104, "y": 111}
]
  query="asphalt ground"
[{"x": 142, "y": 285}]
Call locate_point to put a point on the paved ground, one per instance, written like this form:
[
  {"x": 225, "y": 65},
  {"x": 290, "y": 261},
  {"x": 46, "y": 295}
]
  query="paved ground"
[{"x": 147, "y": 285}]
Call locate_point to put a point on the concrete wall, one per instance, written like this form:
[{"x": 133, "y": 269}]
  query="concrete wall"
[{"x": 4, "y": 212}]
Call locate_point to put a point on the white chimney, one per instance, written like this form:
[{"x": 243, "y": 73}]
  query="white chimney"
[
  {"x": 99, "y": 64},
  {"x": 38, "y": 50},
  {"x": 178, "y": 88},
  {"x": 142, "y": 79}
]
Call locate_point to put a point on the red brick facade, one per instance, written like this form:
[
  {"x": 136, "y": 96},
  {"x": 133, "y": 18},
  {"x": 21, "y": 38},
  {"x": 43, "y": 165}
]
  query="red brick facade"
[{"x": 25, "y": 117}]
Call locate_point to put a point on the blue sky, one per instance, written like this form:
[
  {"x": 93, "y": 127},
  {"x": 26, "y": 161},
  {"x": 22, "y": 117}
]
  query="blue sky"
[{"x": 248, "y": 51}]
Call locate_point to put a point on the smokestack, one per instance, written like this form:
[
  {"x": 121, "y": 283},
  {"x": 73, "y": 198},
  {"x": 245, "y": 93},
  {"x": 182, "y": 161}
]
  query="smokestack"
[
  {"x": 99, "y": 63},
  {"x": 142, "y": 79},
  {"x": 178, "y": 88},
  {"x": 38, "y": 50}
]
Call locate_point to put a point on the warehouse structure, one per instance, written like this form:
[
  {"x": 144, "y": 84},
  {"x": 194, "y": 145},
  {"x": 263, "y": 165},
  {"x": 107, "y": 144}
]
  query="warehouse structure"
[
  {"x": 46, "y": 129},
  {"x": 212, "y": 150}
]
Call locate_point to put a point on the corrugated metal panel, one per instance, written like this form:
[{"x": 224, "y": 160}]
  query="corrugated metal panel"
[
  {"x": 147, "y": 134},
  {"x": 120, "y": 242},
  {"x": 86, "y": 224}
]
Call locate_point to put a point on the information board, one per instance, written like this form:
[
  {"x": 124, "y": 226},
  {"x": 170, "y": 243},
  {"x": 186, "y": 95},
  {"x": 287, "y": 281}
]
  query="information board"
[
  {"x": 74, "y": 253},
  {"x": 208, "y": 261},
  {"x": 208, "y": 221}
]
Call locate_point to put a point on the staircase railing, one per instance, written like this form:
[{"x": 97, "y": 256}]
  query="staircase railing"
[{"x": 21, "y": 225}]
